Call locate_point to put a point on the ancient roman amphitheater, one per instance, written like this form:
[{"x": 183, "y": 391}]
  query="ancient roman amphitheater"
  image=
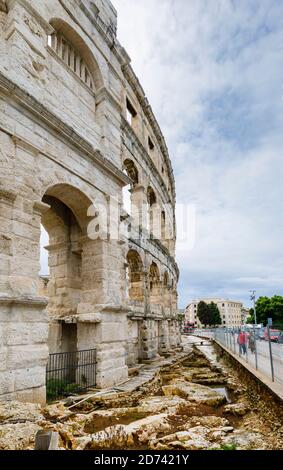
[{"x": 76, "y": 134}]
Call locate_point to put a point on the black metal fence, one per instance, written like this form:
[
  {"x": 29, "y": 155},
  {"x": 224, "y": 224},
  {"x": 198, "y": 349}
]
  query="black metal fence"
[{"x": 69, "y": 373}]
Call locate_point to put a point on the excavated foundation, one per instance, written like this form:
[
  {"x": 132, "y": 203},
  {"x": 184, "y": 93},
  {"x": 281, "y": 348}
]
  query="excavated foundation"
[{"x": 192, "y": 403}]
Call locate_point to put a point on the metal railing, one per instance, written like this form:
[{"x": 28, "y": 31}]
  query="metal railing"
[
  {"x": 70, "y": 372},
  {"x": 261, "y": 354}
]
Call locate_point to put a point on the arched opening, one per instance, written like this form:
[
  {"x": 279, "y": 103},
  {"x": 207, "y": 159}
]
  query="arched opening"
[
  {"x": 154, "y": 283},
  {"x": 166, "y": 280},
  {"x": 130, "y": 169},
  {"x": 65, "y": 224},
  {"x": 151, "y": 202},
  {"x": 163, "y": 226},
  {"x": 44, "y": 262},
  {"x": 166, "y": 292},
  {"x": 127, "y": 199},
  {"x": 135, "y": 276},
  {"x": 71, "y": 48}
]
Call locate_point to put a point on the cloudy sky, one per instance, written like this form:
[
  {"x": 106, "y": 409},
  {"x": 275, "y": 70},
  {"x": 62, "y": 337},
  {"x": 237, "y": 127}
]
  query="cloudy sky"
[{"x": 213, "y": 72}]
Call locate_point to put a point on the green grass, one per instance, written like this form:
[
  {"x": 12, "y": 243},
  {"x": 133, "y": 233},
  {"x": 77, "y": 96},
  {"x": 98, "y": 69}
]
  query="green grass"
[
  {"x": 58, "y": 388},
  {"x": 228, "y": 447}
]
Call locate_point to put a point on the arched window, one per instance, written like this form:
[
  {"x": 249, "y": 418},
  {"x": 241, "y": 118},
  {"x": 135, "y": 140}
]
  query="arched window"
[
  {"x": 70, "y": 47},
  {"x": 154, "y": 283},
  {"x": 151, "y": 201},
  {"x": 135, "y": 276},
  {"x": 131, "y": 170},
  {"x": 166, "y": 280},
  {"x": 163, "y": 226},
  {"x": 71, "y": 57}
]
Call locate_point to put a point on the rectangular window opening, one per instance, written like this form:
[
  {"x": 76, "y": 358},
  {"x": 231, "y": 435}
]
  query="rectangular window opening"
[
  {"x": 131, "y": 112},
  {"x": 150, "y": 144}
]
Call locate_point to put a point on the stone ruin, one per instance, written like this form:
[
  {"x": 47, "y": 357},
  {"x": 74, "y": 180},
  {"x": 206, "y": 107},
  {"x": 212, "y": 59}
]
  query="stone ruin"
[{"x": 76, "y": 132}]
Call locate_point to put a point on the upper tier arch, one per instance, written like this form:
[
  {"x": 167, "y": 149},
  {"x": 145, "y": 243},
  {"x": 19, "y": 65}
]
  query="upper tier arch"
[{"x": 63, "y": 29}]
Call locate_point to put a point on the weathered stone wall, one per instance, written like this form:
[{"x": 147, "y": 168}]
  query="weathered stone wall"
[
  {"x": 65, "y": 146},
  {"x": 261, "y": 397}
]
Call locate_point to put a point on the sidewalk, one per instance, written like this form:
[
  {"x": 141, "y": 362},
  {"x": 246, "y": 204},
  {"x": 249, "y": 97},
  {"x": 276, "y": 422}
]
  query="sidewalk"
[{"x": 275, "y": 387}]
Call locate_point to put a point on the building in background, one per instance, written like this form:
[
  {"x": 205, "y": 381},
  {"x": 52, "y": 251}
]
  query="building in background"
[
  {"x": 245, "y": 314},
  {"x": 230, "y": 312}
]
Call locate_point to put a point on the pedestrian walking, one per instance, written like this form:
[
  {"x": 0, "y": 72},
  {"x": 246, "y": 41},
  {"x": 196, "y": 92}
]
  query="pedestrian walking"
[
  {"x": 252, "y": 342},
  {"x": 242, "y": 340}
]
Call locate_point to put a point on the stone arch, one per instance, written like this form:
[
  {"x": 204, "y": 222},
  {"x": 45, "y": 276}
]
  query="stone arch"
[
  {"x": 133, "y": 194},
  {"x": 131, "y": 170},
  {"x": 163, "y": 226},
  {"x": 154, "y": 283},
  {"x": 151, "y": 196},
  {"x": 65, "y": 218},
  {"x": 76, "y": 200},
  {"x": 166, "y": 292},
  {"x": 63, "y": 28},
  {"x": 166, "y": 279},
  {"x": 151, "y": 210},
  {"x": 135, "y": 276}
]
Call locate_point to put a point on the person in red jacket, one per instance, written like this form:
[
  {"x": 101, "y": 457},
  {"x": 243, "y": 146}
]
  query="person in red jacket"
[{"x": 242, "y": 340}]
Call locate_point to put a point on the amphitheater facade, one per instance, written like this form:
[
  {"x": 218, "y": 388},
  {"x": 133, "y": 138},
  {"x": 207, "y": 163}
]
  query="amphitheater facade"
[{"x": 76, "y": 134}]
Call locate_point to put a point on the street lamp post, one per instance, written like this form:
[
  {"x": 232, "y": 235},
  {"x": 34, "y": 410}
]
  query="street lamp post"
[
  {"x": 255, "y": 323},
  {"x": 253, "y": 298}
]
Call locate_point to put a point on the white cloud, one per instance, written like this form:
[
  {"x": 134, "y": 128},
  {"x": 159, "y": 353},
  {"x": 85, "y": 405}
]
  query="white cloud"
[{"x": 213, "y": 73}]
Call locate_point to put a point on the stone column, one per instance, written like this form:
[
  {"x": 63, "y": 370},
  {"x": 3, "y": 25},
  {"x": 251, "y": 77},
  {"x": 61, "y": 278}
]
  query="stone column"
[
  {"x": 149, "y": 338},
  {"x": 156, "y": 225},
  {"x": 23, "y": 317},
  {"x": 165, "y": 343},
  {"x": 139, "y": 207},
  {"x": 102, "y": 320},
  {"x": 108, "y": 335}
]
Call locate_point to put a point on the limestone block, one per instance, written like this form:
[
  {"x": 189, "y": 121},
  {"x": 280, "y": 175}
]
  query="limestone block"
[
  {"x": 29, "y": 378},
  {"x": 112, "y": 377},
  {"x": 7, "y": 382},
  {"x": 24, "y": 314},
  {"x": 5, "y": 264},
  {"x": 3, "y": 358},
  {"x": 31, "y": 395},
  {"x": 22, "y": 333},
  {"x": 111, "y": 364},
  {"x": 112, "y": 332},
  {"x": 27, "y": 356}
]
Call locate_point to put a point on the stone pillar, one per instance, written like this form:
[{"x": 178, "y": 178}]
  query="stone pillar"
[
  {"x": 101, "y": 274},
  {"x": 139, "y": 207},
  {"x": 174, "y": 333},
  {"x": 165, "y": 342},
  {"x": 106, "y": 325},
  {"x": 156, "y": 221},
  {"x": 149, "y": 337},
  {"x": 23, "y": 316},
  {"x": 108, "y": 336},
  {"x": 132, "y": 347}
]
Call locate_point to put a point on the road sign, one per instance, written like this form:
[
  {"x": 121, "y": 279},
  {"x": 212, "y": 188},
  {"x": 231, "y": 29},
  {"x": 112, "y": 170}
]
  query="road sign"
[{"x": 269, "y": 321}]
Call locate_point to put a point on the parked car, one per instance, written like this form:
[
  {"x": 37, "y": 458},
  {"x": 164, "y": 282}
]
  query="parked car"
[
  {"x": 274, "y": 335},
  {"x": 188, "y": 328},
  {"x": 261, "y": 333}
]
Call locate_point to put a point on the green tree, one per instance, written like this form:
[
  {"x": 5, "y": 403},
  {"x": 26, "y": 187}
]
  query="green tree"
[
  {"x": 214, "y": 314},
  {"x": 251, "y": 318},
  {"x": 270, "y": 307},
  {"x": 203, "y": 313}
]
